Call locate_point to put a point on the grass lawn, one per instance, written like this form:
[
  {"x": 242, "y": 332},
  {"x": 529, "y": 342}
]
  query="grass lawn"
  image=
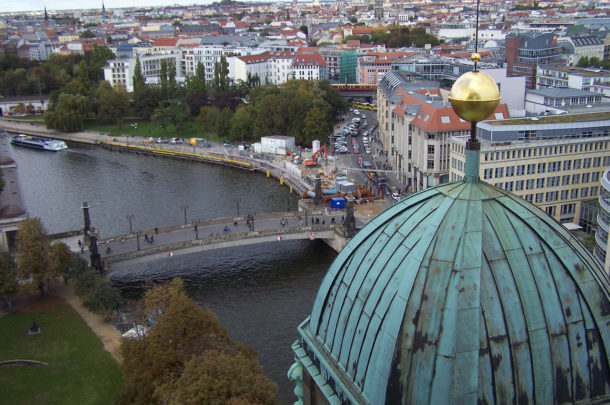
[
  {"x": 80, "y": 371},
  {"x": 191, "y": 129}
]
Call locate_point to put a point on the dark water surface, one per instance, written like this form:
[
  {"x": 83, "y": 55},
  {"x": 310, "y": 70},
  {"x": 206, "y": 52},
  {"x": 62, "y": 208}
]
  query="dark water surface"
[{"x": 260, "y": 293}]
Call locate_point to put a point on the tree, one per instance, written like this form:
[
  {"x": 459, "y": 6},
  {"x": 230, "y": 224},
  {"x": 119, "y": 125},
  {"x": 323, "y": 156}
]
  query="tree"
[
  {"x": 223, "y": 124},
  {"x": 195, "y": 101},
  {"x": 146, "y": 100},
  {"x": 171, "y": 79},
  {"x": 163, "y": 79},
  {"x": 113, "y": 104},
  {"x": 242, "y": 123},
  {"x": 33, "y": 255},
  {"x": 181, "y": 336},
  {"x": 221, "y": 74},
  {"x": 68, "y": 113},
  {"x": 103, "y": 297},
  {"x": 138, "y": 78},
  {"x": 172, "y": 112},
  {"x": 316, "y": 125},
  {"x": 583, "y": 62},
  {"x": 208, "y": 117},
  {"x": 8, "y": 278},
  {"x": 86, "y": 34}
]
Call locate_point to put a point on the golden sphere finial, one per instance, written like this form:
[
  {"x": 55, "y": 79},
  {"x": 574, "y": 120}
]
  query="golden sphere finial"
[
  {"x": 474, "y": 96},
  {"x": 475, "y": 57}
]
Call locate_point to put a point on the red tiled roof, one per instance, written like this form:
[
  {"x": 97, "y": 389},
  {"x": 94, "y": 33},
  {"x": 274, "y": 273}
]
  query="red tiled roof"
[
  {"x": 434, "y": 119},
  {"x": 262, "y": 57},
  {"x": 309, "y": 59},
  {"x": 165, "y": 41}
]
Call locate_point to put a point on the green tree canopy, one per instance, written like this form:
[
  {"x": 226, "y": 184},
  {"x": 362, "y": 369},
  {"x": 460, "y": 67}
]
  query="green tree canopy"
[
  {"x": 113, "y": 104},
  {"x": 68, "y": 113}
]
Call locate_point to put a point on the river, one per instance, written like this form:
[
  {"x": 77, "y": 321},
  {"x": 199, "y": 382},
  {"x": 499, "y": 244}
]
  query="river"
[{"x": 260, "y": 293}]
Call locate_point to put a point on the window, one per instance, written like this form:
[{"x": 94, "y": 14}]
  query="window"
[
  {"x": 552, "y": 181},
  {"x": 594, "y": 191},
  {"x": 596, "y": 161},
  {"x": 550, "y": 211},
  {"x": 586, "y": 163},
  {"x": 528, "y": 198},
  {"x": 584, "y": 192},
  {"x": 568, "y": 208},
  {"x": 508, "y": 186},
  {"x": 606, "y": 160},
  {"x": 564, "y": 194},
  {"x": 554, "y": 166},
  {"x": 576, "y": 178},
  {"x": 531, "y": 168},
  {"x": 595, "y": 176},
  {"x": 530, "y": 184},
  {"x": 540, "y": 183},
  {"x": 585, "y": 177},
  {"x": 520, "y": 170},
  {"x": 499, "y": 172},
  {"x": 487, "y": 173},
  {"x": 574, "y": 193},
  {"x": 567, "y": 164},
  {"x": 565, "y": 180},
  {"x": 539, "y": 197},
  {"x": 519, "y": 185},
  {"x": 510, "y": 171},
  {"x": 552, "y": 195},
  {"x": 541, "y": 167},
  {"x": 577, "y": 164},
  {"x": 430, "y": 164},
  {"x": 431, "y": 149}
]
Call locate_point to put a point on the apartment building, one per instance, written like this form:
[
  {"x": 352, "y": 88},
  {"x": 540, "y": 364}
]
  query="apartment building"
[
  {"x": 309, "y": 66},
  {"x": 595, "y": 80},
  {"x": 119, "y": 72},
  {"x": 372, "y": 66},
  {"x": 554, "y": 162},
  {"x": 525, "y": 51},
  {"x": 415, "y": 123}
]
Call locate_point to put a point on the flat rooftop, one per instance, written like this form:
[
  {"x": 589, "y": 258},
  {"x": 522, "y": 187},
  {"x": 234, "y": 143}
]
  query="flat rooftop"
[{"x": 553, "y": 119}]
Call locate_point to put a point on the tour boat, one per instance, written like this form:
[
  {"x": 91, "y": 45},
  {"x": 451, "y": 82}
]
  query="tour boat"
[{"x": 39, "y": 143}]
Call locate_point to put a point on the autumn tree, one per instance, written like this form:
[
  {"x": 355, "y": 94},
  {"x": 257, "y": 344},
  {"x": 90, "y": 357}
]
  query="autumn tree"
[
  {"x": 187, "y": 356},
  {"x": 37, "y": 260}
]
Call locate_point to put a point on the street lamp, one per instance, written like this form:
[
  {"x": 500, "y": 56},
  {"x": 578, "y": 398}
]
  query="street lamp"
[
  {"x": 138, "y": 240},
  {"x": 184, "y": 207},
  {"x": 237, "y": 205},
  {"x": 130, "y": 217}
]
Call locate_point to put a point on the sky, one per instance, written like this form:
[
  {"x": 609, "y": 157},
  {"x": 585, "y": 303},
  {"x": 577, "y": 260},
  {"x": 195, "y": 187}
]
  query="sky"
[{"x": 7, "y": 6}]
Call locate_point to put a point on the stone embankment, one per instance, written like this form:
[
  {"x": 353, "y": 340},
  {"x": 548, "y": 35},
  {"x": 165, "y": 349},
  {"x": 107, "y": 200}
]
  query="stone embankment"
[{"x": 216, "y": 153}]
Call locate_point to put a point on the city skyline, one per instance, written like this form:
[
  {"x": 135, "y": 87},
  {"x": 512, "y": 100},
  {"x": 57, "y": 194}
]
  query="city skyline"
[{"x": 60, "y": 5}]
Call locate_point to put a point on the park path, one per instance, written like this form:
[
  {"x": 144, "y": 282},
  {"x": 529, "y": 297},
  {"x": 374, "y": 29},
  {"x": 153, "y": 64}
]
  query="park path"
[{"x": 108, "y": 334}]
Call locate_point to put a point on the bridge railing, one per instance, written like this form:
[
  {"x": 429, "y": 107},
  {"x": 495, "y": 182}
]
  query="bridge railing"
[
  {"x": 218, "y": 221},
  {"x": 218, "y": 238}
]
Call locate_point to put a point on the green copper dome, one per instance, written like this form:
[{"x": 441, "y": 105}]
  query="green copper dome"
[{"x": 460, "y": 294}]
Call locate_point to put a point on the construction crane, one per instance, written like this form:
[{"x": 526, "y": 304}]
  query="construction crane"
[{"x": 314, "y": 158}]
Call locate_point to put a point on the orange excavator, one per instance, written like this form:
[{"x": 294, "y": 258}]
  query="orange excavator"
[{"x": 314, "y": 158}]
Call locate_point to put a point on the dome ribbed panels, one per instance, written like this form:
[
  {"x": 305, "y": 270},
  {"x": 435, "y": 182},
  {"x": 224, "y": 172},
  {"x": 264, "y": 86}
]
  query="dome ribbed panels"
[{"x": 463, "y": 294}]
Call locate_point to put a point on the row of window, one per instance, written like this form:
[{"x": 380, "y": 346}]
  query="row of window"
[
  {"x": 554, "y": 181},
  {"x": 539, "y": 168},
  {"x": 556, "y": 195},
  {"x": 544, "y": 151}
]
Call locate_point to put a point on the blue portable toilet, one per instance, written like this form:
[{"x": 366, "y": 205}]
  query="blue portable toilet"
[{"x": 337, "y": 203}]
